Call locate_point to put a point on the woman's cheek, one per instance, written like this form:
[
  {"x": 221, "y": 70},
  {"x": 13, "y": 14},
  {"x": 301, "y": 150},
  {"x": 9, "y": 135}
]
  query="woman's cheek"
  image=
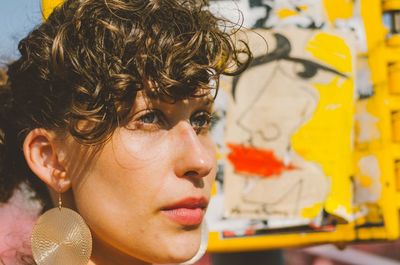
[{"x": 138, "y": 146}]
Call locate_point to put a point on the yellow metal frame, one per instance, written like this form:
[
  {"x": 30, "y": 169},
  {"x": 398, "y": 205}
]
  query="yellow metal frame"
[
  {"x": 380, "y": 55},
  {"x": 389, "y": 5},
  {"x": 48, "y": 7}
]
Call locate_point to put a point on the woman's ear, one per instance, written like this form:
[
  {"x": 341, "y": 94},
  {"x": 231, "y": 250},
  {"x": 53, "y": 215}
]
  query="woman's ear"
[{"x": 40, "y": 153}]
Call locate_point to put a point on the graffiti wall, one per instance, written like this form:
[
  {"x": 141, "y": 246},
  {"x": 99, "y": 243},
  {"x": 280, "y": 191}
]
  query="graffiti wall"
[{"x": 295, "y": 129}]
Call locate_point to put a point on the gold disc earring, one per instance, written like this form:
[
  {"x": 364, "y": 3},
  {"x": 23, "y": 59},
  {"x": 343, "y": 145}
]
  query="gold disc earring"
[{"x": 61, "y": 236}]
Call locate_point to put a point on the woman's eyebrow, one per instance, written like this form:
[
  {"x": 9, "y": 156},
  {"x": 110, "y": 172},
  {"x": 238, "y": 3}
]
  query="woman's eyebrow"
[
  {"x": 205, "y": 101},
  {"x": 208, "y": 102}
]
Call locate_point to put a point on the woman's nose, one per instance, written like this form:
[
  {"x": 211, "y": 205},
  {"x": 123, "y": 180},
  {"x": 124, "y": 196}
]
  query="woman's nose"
[{"x": 195, "y": 157}]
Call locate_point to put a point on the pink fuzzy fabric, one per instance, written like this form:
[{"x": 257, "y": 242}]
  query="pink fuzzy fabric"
[{"x": 17, "y": 218}]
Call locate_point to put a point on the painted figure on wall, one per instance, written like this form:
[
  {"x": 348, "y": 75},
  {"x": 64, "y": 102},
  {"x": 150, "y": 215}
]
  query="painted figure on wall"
[{"x": 266, "y": 177}]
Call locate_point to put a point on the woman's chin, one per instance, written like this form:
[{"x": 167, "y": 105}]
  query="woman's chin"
[
  {"x": 179, "y": 251},
  {"x": 176, "y": 258}
]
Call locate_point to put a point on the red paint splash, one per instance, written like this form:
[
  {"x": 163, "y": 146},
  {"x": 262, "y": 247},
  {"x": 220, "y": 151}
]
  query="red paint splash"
[{"x": 256, "y": 162}]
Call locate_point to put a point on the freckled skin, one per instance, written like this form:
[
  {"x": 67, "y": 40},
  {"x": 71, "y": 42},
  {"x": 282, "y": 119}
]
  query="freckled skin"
[{"x": 147, "y": 165}]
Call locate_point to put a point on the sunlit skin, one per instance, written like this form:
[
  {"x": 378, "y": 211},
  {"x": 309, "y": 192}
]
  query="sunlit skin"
[{"x": 163, "y": 155}]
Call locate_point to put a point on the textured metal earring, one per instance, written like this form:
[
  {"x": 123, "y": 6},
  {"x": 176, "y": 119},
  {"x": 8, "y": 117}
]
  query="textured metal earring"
[
  {"x": 203, "y": 246},
  {"x": 61, "y": 236}
]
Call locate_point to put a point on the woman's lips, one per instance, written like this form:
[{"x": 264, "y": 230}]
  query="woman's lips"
[{"x": 187, "y": 212}]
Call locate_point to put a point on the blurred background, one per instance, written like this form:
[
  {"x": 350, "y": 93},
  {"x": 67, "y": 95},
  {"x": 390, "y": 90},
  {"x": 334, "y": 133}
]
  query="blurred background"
[{"x": 17, "y": 18}]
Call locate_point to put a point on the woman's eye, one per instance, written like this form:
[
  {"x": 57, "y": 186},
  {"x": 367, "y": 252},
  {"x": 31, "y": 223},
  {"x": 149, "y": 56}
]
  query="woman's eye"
[
  {"x": 201, "y": 120},
  {"x": 150, "y": 120},
  {"x": 150, "y": 117}
]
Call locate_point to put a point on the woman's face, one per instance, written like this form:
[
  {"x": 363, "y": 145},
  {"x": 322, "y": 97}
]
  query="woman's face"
[{"x": 144, "y": 194}]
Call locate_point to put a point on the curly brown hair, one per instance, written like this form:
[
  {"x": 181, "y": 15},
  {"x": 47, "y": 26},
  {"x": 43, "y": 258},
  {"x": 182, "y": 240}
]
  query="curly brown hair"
[{"x": 86, "y": 63}]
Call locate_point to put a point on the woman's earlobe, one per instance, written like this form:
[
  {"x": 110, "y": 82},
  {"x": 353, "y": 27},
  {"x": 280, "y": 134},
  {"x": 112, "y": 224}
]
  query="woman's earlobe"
[
  {"x": 61, "y": 180},
  {"x": 40, "y": 153}
]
